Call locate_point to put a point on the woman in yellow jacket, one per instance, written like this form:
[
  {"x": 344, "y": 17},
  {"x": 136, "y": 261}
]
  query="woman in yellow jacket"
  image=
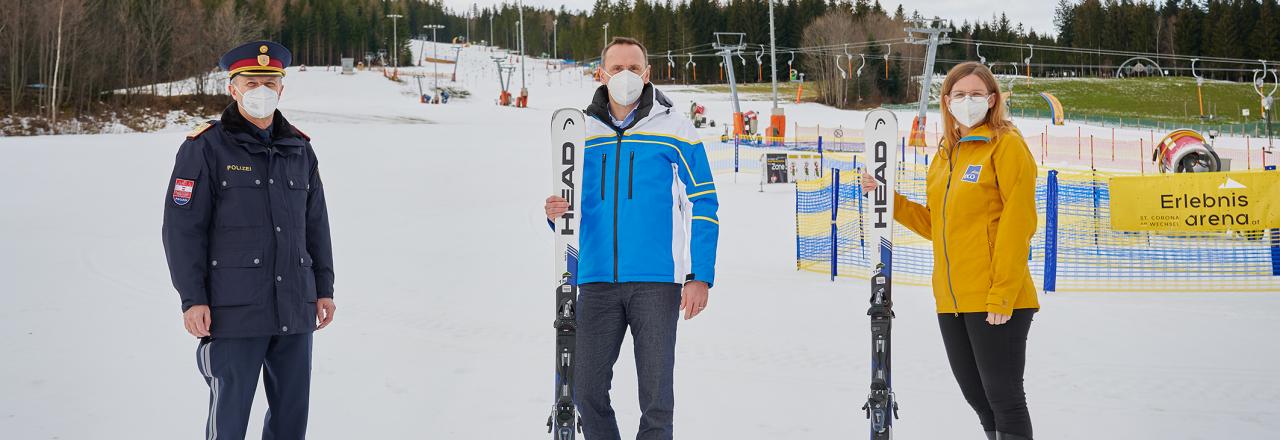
[{"x": 980, "y": 214}]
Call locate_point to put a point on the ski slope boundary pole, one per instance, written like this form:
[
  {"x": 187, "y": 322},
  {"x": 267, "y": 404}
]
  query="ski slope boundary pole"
[
  {"x": 1275, "y": 238},
  {"x": 1051, "y": 233},
  {"x": 764, "y": 170},
  {"x": 822, "y": 161},
  {"x": 835, "y": 211},
  {"x": 735, "y": 158}
]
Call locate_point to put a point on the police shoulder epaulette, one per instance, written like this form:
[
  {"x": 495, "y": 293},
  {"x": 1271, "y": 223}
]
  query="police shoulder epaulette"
[
  {"x": 199, "y": 130},
  {"x": 300, "y": 133}
]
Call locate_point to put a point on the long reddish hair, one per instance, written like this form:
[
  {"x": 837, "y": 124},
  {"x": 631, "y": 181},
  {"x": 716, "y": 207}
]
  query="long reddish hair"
[{"x": 997, "y": 118}]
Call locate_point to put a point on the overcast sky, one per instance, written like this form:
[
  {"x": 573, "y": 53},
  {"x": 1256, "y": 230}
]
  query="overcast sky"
[{"x": 1036, "y": 14}]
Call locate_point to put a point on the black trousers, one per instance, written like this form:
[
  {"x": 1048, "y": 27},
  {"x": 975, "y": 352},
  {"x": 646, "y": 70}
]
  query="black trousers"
[{"x": 988, "y": 362}]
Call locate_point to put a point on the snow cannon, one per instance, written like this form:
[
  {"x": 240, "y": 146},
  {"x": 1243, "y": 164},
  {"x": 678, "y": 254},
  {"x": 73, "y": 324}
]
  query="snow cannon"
[
  {"x": 1186, "y": 151},
  {"x": 751, "y": 123},
  {"x": 746, "y": 128},
  {"x": 698, "y": 113}
]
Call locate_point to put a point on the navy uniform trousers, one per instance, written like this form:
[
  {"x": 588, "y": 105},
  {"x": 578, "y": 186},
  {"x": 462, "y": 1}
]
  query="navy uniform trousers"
[{"x": 231, "y": 367}]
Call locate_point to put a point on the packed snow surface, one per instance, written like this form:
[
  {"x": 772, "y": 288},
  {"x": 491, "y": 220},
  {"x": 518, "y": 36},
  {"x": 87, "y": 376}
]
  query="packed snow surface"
[{"x": 445, "y": 297}]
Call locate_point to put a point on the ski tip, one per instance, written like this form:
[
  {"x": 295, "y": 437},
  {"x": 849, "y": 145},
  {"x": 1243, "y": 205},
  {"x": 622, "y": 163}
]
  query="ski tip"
[
  {"x": 566, "y": 117},
  {"x": 566, "y": 112},
  {"x": 880, "y": 116}
]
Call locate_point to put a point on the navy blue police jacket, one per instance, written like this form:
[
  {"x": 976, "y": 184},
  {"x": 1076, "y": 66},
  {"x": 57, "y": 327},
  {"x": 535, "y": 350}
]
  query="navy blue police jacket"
[{"x": 246, "y": 229}]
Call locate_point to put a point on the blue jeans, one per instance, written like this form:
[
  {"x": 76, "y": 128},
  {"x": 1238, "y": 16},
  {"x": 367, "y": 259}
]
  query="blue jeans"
[{"x": 604, "y": 312}]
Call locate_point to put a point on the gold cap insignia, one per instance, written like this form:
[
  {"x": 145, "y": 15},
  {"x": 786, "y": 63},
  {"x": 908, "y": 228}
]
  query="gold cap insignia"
[
  {"x": 263, "y": 60},
  {"x": 262, "y": 49}
]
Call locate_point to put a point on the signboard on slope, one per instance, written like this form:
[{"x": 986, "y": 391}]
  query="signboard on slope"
[
  {"x": 775, "y": 168},
  {"x": 1230, "y": 201}
]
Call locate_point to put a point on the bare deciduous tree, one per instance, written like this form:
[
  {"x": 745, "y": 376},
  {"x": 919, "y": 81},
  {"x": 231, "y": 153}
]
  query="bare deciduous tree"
[{"x": 830, "y": 33}]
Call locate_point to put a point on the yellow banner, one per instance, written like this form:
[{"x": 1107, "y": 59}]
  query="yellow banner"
[{"x": 1230, "y": 201}]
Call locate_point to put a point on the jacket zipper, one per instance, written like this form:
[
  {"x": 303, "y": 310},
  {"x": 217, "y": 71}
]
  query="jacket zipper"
[
  {"x": 616, "y": 169},
  {"x": 275, "y": 238},
  {"x": 603, "y": 171},
  {"x": 947, "y": 256},
  {"x": 631, "y": 171}
]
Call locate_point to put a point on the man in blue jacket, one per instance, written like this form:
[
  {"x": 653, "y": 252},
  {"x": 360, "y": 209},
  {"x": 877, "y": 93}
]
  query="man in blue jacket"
[
  {"x": 648, "y": 243},
  {"x": 246, "y": 235}
]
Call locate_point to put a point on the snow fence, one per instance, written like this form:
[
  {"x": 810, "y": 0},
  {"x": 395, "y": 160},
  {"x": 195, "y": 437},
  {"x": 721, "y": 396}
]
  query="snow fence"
[{"x": 1074, "y": 248}]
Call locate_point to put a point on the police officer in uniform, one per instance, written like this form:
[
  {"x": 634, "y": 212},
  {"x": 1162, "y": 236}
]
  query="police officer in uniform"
[{"x": 246, "y": 235}]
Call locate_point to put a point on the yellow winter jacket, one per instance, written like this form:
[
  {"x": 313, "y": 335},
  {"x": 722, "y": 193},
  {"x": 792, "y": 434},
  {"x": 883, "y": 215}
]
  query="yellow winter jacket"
[{"x": 980, "y": 213}]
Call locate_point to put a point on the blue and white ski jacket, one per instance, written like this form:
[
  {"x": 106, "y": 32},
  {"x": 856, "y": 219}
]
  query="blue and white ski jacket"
[{"x": 648, "y": 200}]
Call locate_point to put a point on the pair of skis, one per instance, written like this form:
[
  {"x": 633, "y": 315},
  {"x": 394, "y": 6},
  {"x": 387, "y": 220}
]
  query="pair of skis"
[
  {"x": 882, "y": 160},
  {"x": 567, "y": 137}
]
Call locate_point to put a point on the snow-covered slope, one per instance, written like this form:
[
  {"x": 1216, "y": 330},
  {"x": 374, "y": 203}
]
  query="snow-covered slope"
[{"x": 445, "y": 307}]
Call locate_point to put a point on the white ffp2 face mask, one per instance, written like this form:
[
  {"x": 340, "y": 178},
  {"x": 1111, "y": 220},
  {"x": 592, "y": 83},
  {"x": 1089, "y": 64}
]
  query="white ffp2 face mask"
[
  {"x": 260, "y": 102},
  {"x": 969, "y": 111},
  {"x": 625, "y": 87}
]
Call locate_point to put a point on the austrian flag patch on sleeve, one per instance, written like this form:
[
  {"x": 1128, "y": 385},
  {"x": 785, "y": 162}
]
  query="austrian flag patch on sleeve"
[{"x": 182, "y": 191}]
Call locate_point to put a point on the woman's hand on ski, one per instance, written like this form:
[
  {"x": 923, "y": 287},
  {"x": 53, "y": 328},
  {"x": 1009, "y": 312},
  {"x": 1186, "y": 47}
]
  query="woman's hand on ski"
[
  {"x": 869, "y": 183},
  {"x": 555, "y": 207},
  {"x": 996, "y": 318},
  {"x": 693, "y": 299}
]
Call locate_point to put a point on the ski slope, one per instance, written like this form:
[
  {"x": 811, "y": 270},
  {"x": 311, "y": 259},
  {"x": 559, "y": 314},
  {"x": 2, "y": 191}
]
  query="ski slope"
[{"x": 443, "y": 329}]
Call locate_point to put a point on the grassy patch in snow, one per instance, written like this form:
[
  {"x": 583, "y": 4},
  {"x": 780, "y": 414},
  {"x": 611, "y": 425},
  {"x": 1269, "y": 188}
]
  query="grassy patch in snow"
[
  {"x": 1147, "y": 100},
  {"x": 786, "y": 90},
  {"x": 1170, "y": 99}
]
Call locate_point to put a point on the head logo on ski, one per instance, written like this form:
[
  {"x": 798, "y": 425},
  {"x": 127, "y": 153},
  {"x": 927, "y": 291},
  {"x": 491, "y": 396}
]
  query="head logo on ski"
[{"x": 568, "y": 170}]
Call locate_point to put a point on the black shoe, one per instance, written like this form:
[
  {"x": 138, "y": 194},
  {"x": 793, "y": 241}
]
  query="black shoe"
[
  {"x": 991, "y": 435},
  {"x": 1007, "y": 436}
]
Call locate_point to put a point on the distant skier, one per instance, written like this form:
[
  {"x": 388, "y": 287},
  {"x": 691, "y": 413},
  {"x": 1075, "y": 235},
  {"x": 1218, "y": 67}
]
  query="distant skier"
[
  {"x": 980, "y": 214},
  {"x": 246, "y": 235},
  {"x": 648, "y": 240}
]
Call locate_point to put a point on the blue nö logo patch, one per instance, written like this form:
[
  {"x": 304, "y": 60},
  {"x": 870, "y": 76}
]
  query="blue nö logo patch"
[{"x": 971, "y": 174}]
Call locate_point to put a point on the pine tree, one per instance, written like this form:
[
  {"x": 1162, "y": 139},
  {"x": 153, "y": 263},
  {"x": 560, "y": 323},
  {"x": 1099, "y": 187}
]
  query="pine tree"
[{"x": 1265, "y": 39}]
